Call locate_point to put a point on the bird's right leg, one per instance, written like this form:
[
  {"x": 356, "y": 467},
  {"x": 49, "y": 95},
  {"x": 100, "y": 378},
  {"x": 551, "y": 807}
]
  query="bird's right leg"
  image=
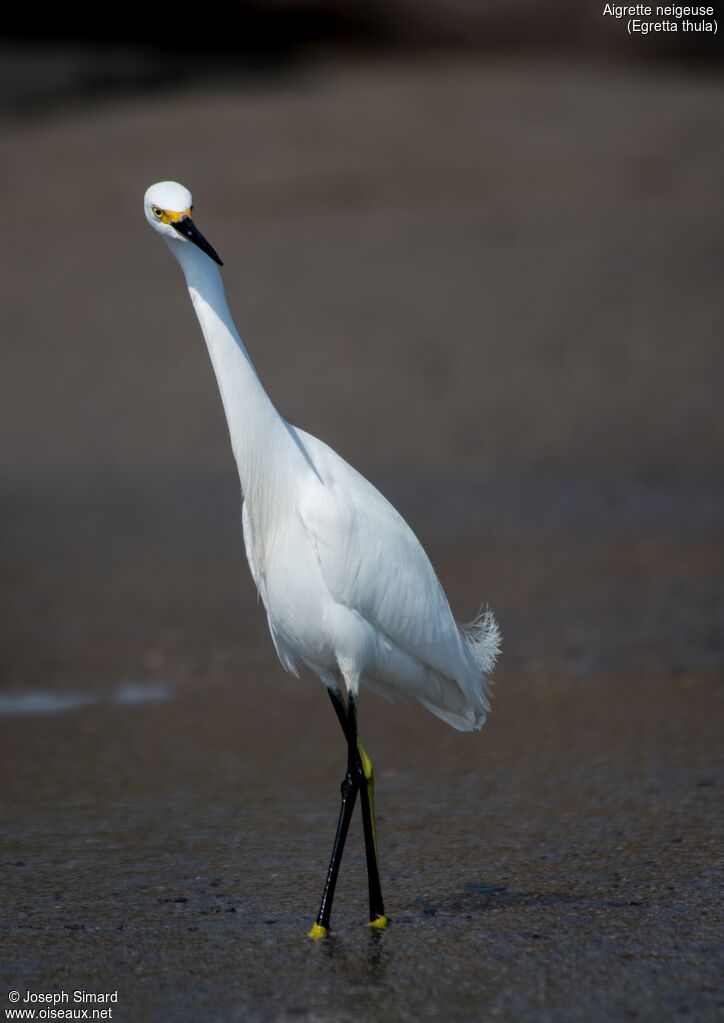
[
  {"x": 350, "y": 787},
  {"x": 378, "y": 919}
]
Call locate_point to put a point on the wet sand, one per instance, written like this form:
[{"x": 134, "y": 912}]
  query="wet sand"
[
  {"x": 169, "y": 793},
  {"x": 559, "y": 865}
]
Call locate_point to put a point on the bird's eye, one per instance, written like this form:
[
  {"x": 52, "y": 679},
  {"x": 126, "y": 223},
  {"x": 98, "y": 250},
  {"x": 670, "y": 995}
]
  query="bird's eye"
[{"x": 156, "y": 211}]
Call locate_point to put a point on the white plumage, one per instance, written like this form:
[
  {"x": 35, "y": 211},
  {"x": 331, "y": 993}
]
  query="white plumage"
[
  {"x": 370, "y": 606},
  {"x": 348, "y": 589}
]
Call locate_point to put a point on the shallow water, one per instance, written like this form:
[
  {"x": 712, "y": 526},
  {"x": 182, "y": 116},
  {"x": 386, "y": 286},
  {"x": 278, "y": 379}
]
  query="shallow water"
[{"x": 39, "y": 702}]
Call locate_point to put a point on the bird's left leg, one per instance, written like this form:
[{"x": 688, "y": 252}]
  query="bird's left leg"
[
  {"x": 348, "y": 720},
  {"x": 350, "y": 788}
]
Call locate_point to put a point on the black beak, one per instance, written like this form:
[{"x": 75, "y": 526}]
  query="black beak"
[{"x": 188, "y": 229}]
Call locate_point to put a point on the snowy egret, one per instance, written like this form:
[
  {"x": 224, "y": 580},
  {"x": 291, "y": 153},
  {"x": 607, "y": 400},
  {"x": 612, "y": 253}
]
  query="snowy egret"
[{"x": 348, "y": 590}]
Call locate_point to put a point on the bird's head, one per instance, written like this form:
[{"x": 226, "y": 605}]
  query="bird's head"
[{"x": 168, "y": 208}]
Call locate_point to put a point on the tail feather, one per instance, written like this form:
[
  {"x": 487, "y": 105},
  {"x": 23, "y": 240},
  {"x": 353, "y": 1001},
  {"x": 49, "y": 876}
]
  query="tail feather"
[
  {"x": 483, "y": 637},
  {"x": 483, "y": 640},
  {"x": 462, "y": 701}
]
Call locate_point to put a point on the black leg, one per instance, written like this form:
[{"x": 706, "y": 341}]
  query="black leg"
[
  {"x": 367, "y": 800},
  {"x": 360, "y": 778},
  {"x": 350, "y": 786}
]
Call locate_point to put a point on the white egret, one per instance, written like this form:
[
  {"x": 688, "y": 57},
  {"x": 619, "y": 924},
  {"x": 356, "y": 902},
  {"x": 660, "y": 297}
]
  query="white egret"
[{"x": 348, "y": 590}]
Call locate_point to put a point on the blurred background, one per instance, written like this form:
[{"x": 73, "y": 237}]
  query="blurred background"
[{"x": 478, "y": 249}]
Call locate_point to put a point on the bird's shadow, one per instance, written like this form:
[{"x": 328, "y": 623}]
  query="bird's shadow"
[
  {"x": 479, "y": 898},
  {"x": 370, "y": 963}
]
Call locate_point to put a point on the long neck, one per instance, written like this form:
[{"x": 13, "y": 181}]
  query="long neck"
[{"x": 264, "y": 445}]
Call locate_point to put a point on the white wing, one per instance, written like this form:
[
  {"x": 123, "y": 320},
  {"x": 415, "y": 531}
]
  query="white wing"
[{"x": 372, "y": 563}]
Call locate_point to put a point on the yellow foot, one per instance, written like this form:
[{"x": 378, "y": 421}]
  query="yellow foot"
[
  {"x": 317, "y": 931},
  {"x": 380, "y": 922}
]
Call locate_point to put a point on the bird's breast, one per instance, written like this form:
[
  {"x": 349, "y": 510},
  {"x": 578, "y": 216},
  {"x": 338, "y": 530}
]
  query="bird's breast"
[{"x": 296, "y": 600}]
